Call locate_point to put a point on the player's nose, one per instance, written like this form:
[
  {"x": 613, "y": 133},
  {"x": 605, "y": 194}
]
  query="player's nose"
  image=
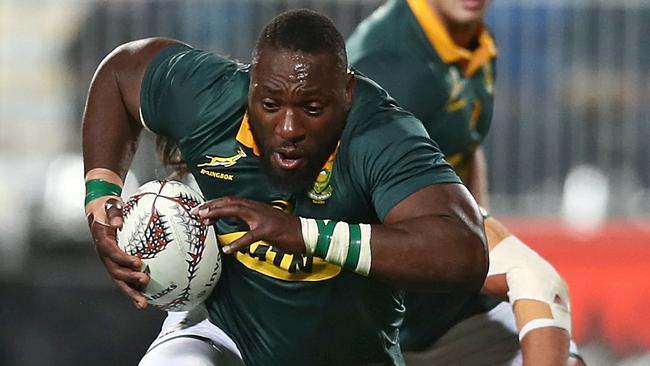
[{"x": 290, "y": 128}]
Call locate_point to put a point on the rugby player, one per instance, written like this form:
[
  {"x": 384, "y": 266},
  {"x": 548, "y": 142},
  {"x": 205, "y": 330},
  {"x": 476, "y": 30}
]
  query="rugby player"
[
  {"x": 437, "y": 59},
  {"x": 374, "y": 207}
]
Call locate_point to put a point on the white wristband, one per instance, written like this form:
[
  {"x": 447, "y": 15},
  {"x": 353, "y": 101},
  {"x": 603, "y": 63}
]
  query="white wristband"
[{"x": 340, "y": 243}]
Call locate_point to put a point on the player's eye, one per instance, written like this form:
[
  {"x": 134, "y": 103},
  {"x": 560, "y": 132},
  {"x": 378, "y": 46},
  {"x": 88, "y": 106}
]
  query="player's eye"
[
  {"x": 313, "y": 109},
  {"x": 270, "y": 105}
]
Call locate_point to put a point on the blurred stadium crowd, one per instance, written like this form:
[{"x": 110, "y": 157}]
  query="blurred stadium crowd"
[{"x": 568, "y": 154}]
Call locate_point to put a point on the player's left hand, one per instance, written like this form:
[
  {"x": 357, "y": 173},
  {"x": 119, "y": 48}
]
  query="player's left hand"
[{"x": 265, "y": 222}]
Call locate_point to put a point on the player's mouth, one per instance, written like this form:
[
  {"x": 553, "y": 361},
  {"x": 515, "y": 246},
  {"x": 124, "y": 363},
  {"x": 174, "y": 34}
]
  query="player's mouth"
[
  {"x": 289, "y": 158},
  {"x": 473, "y": 5}
]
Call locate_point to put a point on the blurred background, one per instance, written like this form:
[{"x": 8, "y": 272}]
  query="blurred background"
[{"x": 568, "y": 155}]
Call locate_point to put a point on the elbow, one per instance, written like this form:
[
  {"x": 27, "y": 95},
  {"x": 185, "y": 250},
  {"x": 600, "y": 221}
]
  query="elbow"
[
  {"x": 463, "y": 269},
  {"x": 472, "y": 254},
  {"x": 481, "y": 264},
  {"x": 475, "y": 264}
]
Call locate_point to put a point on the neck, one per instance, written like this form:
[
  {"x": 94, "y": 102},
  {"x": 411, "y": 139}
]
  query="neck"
[{"x": 462, "y": 34}]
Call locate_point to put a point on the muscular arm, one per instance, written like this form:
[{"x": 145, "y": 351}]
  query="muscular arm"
[
  {"x": 432, "y": 240},
  {"x": 110, "y": 133},
  {"x": 433, "y": 236},
  {"x": 110, "y": 122}
]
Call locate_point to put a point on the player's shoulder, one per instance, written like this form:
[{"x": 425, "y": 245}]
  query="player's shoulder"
[
  {"x": 191, "y": 85},
  {"x": 378, "y": 32},
  {"x": 376, "y": 115},
  {"x": 181, "y": 58}
]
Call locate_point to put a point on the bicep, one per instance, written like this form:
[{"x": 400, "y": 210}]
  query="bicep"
[
  {"x": 450, "y": 200},
  {"x": 128, "y": 64}
]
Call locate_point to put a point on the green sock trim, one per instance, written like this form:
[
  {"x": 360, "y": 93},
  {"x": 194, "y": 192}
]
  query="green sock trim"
[
  {"x": 96, "y": 188},
  {"x": 354, "y": 249},
  {"x": 325, "y": 231}
]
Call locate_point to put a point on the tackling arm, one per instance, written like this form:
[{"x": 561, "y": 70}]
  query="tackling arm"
[{"x": 539, "y": 296}]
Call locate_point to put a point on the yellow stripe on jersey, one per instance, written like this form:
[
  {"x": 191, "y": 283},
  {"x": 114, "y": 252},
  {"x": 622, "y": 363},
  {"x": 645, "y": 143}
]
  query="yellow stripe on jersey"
[{"x": 263, "y": 258}]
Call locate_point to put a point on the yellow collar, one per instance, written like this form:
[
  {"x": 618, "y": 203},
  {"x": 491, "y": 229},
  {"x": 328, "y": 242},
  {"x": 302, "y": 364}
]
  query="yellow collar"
[
  {"x": 245, "y": 136},
  {"x": 444, "y": 45}
]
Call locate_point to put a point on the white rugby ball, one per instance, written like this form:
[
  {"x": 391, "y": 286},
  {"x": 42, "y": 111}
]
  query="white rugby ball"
[{"x": 178, "y": 251}]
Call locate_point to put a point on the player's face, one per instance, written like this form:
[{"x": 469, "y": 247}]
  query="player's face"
[
  {"x": 297, "y": 106},
  {"x": 460, "y": 12}
]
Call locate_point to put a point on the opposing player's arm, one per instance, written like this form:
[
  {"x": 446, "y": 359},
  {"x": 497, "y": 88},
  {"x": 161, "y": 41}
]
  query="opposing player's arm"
[
  {"x": 538, "y": 295},
  {"x": 110, "y": 131}
]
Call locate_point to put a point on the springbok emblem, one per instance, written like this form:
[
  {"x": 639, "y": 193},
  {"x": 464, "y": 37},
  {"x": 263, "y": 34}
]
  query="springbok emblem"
[{"x": 224, "y": 161}]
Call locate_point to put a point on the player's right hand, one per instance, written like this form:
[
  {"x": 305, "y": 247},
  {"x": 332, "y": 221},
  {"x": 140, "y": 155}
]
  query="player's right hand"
[{"x": 123, "y": 268}]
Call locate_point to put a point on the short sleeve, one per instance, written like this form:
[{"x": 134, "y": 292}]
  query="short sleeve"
[
  {"x": 406, "y": 79},
  {"x": 184, "y": 88},
  {"x": 397, "y": 159}
]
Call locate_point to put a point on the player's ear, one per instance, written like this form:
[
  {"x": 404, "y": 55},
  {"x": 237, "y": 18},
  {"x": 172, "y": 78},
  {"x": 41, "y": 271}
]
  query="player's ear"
[{"x": 351, "y": 82}]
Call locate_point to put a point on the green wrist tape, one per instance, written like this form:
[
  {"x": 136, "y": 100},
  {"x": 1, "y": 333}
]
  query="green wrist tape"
[
  {"x": 345, "y": 245},
  {"x": 96, "y": 188},
  {"x": 325, "y": 231},
  {"x": 354, "y": 248}
]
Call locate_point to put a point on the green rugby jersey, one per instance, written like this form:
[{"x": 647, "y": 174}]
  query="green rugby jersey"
[
  {"x": 405, "y": 48},
  {"x": 285, "y": 309}
]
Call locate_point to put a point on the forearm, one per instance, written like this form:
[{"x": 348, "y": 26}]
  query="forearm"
[
  {"x": 545, "y": 346},
  {"x": 422, "y": 243},
  {"x": 433, "y": 240},
  {"x": 412, "y": 255},
  {"x": 537, "y": 293},
  {"x": 442, "y": 243}
]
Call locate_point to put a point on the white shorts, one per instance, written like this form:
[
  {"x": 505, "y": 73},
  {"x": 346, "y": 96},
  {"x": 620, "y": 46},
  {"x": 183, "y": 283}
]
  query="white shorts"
[
  {"x": 488, "y": 339},
  {"x": 189, "y": 338}
]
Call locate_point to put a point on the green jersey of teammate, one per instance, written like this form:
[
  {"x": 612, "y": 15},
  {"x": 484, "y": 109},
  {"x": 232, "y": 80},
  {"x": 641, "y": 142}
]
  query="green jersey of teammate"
[
  {"x": 406, "y": 49},
  {"x": 304, "y": 311},
  {"x": 454, "y": 104}
]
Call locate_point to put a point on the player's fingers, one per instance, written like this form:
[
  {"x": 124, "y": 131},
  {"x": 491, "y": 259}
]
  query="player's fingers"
[
  {"x": 113, "y": 209},
  {"x": 136, "y": 279},
  {"x": 118, "y": 256},
  {"x": 136, "y": 297},
  {"x": 106, "y": 246},
  {"x": 245, "y": 240},
  {"x": 225, "y": 207}
]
